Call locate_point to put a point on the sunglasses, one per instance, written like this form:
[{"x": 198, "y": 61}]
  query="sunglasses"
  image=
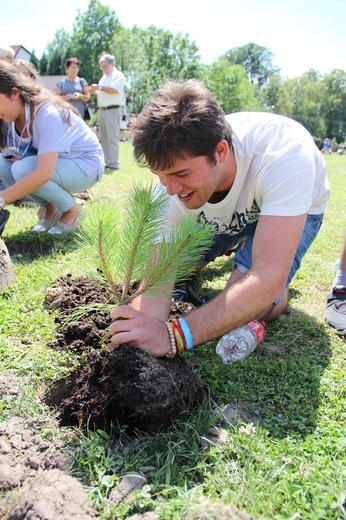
[{"x": 13, "y": 154}]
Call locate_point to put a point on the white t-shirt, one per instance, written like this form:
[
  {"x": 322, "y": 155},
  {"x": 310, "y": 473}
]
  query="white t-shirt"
[
  {"x": 116, "y": 80},
  {"x": 74, "y": 140},
  {"x": 280, "y": 172}
]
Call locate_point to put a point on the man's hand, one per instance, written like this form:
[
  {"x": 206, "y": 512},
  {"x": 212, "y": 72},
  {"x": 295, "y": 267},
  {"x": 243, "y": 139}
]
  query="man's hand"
[
  {"x": 136, "y": 328},
  {"x": 93, "y": 88}
]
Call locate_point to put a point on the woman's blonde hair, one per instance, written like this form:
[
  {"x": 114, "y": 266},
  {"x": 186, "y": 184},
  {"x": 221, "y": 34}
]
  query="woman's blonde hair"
[{"x": 28, "y": 66}]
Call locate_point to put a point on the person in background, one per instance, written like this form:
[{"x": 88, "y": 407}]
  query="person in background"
[
  {"x": 6, "y": 53},
  {"x": 26, "y": 68},
  {"x": 123, "y": 122},
  {"x": 68, "y": 157},
  {"x": 327, "y": 146},
  {"x": 257, "y": 179},
  {"x": 110, "y": 94},
  {"x": 335, "y": 311},
  {"x": 73, "y": 88}
]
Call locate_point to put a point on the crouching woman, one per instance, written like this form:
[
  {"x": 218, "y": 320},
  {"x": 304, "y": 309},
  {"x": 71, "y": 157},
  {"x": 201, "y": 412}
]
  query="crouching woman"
[{"x": 47, "y": 151}]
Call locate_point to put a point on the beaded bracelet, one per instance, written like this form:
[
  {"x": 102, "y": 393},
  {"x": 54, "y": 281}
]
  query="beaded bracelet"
[
  {"x": 182, "y": 334},
  {"x": 173, "y": 350},
  {"x": 178, "y": 335}
]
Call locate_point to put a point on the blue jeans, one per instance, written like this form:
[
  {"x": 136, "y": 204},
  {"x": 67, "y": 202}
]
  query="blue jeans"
[
  {"x": 243, "y": 258},
  {"x": 67, "y": 178}
]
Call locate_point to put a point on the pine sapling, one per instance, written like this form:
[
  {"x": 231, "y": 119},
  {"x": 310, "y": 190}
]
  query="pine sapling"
[{"x": 132, "y": 245}]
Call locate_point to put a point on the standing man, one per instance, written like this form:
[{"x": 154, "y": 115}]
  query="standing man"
[
  {"x": 110, "y": 93},
  {"x": 257, "y": 178}
]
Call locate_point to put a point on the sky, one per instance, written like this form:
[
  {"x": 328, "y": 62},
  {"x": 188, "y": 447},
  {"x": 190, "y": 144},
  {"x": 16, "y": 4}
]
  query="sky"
[{"x": 301, "y": 34}]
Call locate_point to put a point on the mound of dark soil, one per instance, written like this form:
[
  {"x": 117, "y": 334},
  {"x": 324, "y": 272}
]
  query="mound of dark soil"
[
  {"x": 115, "y": 385},
  {"x": 29, "y": 251}
]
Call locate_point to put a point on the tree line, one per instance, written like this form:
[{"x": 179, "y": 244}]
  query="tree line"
[{"x": 242, "y": 79}]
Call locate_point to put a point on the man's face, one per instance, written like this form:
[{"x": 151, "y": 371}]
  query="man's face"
[
  {"x": 194, "y": 180},
  {"x": 106, "y": 67}
]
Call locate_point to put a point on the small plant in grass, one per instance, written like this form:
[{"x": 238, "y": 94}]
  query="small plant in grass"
[{"x": 130, "y": 245}]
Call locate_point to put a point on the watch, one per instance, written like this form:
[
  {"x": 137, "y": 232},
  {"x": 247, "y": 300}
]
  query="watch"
[{"x": 2, "y": 203}]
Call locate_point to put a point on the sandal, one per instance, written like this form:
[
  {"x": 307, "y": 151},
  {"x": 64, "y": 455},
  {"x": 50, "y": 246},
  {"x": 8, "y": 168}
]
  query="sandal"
[
  {"x": 46, "y": 224},
  {"x": 61, "y": 227}
]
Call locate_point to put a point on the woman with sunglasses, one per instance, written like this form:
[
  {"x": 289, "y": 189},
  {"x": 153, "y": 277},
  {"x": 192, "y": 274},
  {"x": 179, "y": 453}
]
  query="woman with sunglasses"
[
  {"x": 73, "y": 88},
  {"x": 26, "y": 68},
  {"x": 68, "y": 157}
]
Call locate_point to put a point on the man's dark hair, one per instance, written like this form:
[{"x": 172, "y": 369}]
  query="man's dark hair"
[{"x": 180, "y": 120}]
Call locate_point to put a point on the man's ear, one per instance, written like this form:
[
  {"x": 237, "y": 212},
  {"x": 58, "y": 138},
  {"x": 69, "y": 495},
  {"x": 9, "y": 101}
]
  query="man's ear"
[{"x": 222, "y": 151}]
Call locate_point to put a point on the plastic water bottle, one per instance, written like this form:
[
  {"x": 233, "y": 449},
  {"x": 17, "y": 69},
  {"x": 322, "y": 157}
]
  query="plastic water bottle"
[{"x": 239, "y": 343}]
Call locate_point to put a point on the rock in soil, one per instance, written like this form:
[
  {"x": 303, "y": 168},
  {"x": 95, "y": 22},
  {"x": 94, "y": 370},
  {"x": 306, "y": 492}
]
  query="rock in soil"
[
  {"x": 53, "y": 496},
  {"x": 34, "y": 484},
  {"x": 7, "y": 274}
]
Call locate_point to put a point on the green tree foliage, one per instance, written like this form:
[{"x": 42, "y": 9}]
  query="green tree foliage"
[
  {"x": 256, "y": 60},
  {"x": 56, "y": 53},
  {"x": 92, "y": 36},
  {"x": 43, "y": 64},
  {"x": 34, "y": 60},
  {"x": 230, "y": 86},
  {"x": 334, "y": 104},
  {"x": 244, "y": 78},
  {"x": 169, "y": 56},
  {"x": 306, "y": 102},
  {"x": 148, "y": 57},
  {"x": 274, "y": 96}
]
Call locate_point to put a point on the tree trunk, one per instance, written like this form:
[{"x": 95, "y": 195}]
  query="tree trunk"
[{"x": 7, "y": 274}]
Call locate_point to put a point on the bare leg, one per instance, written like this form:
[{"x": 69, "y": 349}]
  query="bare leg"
[
  {"x": 343, "y": 256},
  {"x": 70, "y": 216},
  {"x": 49, "y": 211}
]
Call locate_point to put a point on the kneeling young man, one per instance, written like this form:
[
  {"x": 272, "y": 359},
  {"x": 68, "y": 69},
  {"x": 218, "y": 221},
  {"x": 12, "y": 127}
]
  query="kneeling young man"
[{"x": 257, "y": 178}]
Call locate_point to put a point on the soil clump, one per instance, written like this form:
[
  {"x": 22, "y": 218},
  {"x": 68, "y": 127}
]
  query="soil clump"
[
  {"x": 34, "y": 465},
  {"x": 121, "y": 385}
]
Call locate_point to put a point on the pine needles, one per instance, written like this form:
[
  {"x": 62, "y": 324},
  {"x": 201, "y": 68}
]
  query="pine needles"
[{"x": 131, "y": 246}]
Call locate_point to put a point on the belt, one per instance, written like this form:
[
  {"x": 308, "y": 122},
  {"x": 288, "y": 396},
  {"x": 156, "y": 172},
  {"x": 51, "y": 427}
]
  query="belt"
[{"x": 110, "y": 107}]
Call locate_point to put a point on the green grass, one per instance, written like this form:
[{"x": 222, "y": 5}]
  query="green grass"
[{"x": 291, "y": 464}]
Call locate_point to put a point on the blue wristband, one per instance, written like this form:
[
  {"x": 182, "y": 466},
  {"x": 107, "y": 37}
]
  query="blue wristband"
[{"x": 187, "y": 333}]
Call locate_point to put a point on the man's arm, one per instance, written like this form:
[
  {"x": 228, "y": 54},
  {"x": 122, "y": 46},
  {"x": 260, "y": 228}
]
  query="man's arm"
[
  {"x": 94, "y": 89},
  {"x": 274, "y": 246},
  {"x": 116, "y": 88}
]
